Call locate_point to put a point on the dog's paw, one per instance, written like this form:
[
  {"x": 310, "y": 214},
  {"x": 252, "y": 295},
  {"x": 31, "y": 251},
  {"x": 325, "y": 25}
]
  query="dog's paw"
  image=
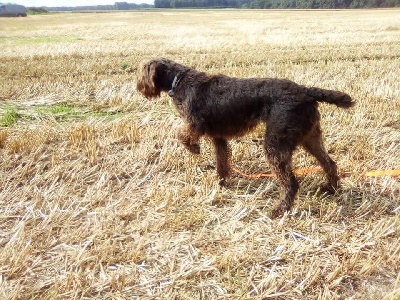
[
  {"x": 195, "y": 148},
  {"x": 279, "y": 211},
  {"x": 328, "y": 189}
]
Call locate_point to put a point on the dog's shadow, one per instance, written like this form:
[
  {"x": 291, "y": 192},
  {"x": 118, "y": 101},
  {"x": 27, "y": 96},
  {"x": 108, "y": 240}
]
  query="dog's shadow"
[{"x": 348, "y": 202}]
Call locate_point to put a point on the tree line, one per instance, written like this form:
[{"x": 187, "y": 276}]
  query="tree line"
[
  {"x": 265, "y": 4},
  {"x": 256, "y": 4},
  {"x": 115, "y": 6}
]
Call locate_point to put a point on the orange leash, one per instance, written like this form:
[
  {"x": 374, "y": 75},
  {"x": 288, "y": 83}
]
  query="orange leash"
[
  {"x": 303, "y": 171},
  {"x": 383, "y": 173}
]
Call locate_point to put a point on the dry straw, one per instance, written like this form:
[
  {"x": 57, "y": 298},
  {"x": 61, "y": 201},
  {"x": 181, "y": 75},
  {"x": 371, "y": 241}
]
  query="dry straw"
[{"x": 99, "y": 201}]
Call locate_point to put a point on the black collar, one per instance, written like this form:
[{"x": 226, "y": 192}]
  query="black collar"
[{"x": 176, "y": 81}]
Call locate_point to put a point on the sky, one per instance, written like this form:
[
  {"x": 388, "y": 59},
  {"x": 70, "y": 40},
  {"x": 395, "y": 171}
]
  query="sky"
[{"x": 71, "y": 3}]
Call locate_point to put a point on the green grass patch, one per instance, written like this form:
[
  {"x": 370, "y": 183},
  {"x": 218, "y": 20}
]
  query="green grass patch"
[
  {"x": 59, "y": 111},
  {"x": 65, "y": 112},
  {"x": 124, "y": 66},
  {"x": 63, "y": 109},
  {"x": 9, "y": 117}
]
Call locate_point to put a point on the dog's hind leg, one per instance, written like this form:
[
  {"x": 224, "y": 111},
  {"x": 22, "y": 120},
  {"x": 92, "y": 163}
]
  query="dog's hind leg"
[
  {"x": 223, "y": 154},
  {"x": 279, "y": 154},
  {"x": 313, "y": 143}
]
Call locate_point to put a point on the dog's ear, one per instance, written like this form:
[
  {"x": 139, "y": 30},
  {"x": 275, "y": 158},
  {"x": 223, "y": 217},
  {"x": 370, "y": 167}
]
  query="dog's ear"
[
  {"x": 152, "y": 74},
  {"x": 151, "y": 81},
  {"x": 148, "y": 82}
]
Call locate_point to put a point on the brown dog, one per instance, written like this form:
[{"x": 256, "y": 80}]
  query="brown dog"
[{"x": 222, "y": 107}]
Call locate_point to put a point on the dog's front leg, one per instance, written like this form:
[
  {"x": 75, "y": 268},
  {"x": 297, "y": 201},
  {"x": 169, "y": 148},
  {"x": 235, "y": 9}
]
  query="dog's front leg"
[
  {"x": 223, "y": 154},
  {"x": 189, "y": 138}
]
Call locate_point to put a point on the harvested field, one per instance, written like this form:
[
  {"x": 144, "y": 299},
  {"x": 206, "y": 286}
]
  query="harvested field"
[{"x": 99, "y": 201}]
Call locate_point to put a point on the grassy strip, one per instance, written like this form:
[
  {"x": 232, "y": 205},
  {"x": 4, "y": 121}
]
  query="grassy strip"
[
  {"x": 60, "y": 112},
  {"x": 9, "y": 117}
]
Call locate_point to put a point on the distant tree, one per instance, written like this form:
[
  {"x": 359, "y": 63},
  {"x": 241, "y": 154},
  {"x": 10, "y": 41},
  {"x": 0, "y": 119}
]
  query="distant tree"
[
  {"x": 162, "y": 3},
  {"x": 121, "y": 5}
]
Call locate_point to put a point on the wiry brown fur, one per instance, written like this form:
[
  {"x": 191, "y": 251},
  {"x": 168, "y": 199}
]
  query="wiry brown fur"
[{"x": 222, "y": 107}]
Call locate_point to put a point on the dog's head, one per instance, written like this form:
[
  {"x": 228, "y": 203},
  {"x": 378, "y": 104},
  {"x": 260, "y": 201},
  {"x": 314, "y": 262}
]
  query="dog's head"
[{"x": 153, "y": 78}]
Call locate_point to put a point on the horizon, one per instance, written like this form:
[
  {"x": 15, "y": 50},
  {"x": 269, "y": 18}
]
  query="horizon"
[{"x": 66, "y": 3}]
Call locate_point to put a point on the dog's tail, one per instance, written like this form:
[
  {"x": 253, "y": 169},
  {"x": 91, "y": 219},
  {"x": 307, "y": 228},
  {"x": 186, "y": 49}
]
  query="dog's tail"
[{"x": 338, "y": 98}]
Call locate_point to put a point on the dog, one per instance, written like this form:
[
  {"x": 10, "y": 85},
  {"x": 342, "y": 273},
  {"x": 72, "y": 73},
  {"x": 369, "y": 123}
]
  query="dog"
[{"x": 222, "y": 108}]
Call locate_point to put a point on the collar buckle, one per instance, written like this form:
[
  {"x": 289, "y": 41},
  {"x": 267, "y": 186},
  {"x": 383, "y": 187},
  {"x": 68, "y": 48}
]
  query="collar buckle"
[
  {"x": 176, "y": 81},
  {"x": 171, "y": 92}
]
